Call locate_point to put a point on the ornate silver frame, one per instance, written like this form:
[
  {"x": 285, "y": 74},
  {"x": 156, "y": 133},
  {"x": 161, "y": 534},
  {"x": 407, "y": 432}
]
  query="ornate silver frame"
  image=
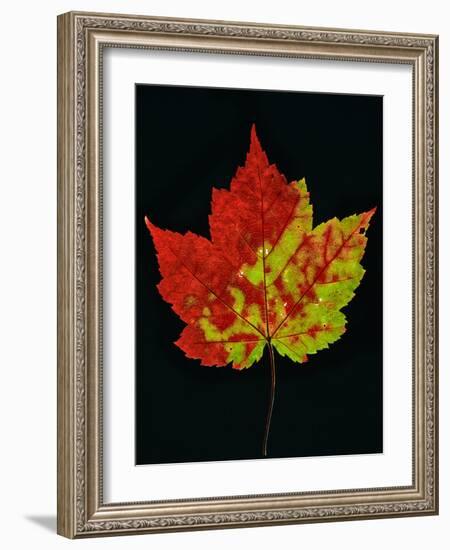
[{"x": 81, "y": 38}]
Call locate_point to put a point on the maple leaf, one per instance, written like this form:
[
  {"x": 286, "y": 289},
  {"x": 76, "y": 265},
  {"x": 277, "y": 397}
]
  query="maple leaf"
[{"x": 266, "y": 277}]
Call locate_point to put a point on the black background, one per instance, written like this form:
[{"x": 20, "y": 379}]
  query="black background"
[{"x": 189, "y": 140}]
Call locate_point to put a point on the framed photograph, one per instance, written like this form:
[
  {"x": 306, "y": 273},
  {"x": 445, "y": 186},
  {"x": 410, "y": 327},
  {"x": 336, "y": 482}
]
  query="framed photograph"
[{"x": 247, "y": 288}]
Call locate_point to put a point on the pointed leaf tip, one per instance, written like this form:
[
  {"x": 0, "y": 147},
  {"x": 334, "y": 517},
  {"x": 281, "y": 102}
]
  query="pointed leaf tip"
[
  {"x": 148, "y": 223},
  {"x": 370, "y": 213},
  {"x": 254, "y": 140},
  {"x": 151, "y": 227}
]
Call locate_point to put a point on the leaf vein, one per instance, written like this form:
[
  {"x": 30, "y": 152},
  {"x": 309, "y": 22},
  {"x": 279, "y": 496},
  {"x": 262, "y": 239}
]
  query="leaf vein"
[
  {"x": 316, "y": 278},
  {"x": 215, "y": 293}
]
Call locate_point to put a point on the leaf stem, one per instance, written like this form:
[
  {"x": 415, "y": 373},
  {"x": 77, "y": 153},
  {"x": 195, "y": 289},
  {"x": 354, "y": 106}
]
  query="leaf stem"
[{"x": 271, "y": 399}]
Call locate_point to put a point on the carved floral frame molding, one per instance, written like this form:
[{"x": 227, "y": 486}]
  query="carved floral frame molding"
[{"x": 81, "y": 39}]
